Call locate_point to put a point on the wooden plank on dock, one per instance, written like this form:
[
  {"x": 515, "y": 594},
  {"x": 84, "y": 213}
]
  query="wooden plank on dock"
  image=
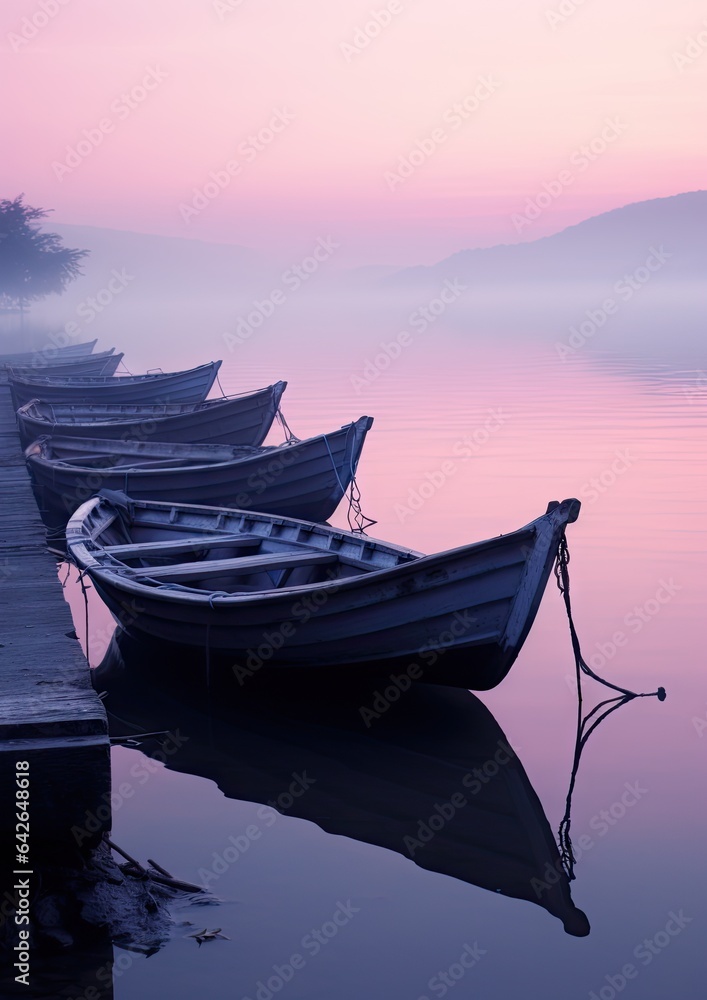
[{"x": 49, "y": 712}]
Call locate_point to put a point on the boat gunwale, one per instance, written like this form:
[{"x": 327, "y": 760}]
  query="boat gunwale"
[
  {"x": 206, "y": 405},
  {"x": 259, "y": 452},
  {"x": 418, "y": 562},
  {"x": 71, "y": 349},
  {"x": 101, "y": 381},
  {"x": 21, "y": 369}
]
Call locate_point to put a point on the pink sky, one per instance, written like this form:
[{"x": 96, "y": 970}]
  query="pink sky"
[{"x": 220, "y": 70}]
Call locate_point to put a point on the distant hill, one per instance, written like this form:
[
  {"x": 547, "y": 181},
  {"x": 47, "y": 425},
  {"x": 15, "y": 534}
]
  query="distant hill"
[
  {"x": 183, "y": 295},
  {"x": 601, "y": 248}
]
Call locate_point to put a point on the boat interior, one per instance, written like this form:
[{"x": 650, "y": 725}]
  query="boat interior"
[
  {"x": 74, "y": 413},
  {"x": 241, "y": 561},
  {"x": 85, "y": 453},
  {"x": 70, "y": 413}
]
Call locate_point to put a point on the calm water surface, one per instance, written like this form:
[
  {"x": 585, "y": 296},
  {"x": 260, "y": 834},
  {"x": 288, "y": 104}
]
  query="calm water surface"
[{"x": 498, "y": 429}]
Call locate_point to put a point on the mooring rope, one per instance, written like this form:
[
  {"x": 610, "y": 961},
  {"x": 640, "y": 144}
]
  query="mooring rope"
[
  {"x": 334, "y": 467},
  {"x": 218, "y": 379},
  {"x": 583, "y": 733},
  {"x": 85, "y": 601},
  {"x": 290, "y": 436},
  {"x": 357, "y": 520}
]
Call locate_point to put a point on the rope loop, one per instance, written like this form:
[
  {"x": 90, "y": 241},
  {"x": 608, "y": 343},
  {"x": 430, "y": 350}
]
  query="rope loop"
[
  {"x": 357, "y": 520},
  {"x": 586, "y": 724}
]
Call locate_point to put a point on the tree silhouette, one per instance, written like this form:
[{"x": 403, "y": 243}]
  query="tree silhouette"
[{"x": 33, "y": 264}]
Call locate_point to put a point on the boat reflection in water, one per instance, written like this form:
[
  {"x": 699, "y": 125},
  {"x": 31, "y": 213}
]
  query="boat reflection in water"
[{"x": 433, "y": 777}]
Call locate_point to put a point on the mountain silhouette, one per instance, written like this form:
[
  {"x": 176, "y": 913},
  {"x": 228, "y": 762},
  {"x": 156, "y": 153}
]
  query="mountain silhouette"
[{"x": 601, "y": 248}]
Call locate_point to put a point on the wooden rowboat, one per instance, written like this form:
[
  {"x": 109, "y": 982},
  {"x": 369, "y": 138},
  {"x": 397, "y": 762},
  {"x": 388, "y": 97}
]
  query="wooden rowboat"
[
  {"x": 104, "y": 363},
  {"x": 304, "y": 479},
  {"x": 405, "y": 783},
  {"x": 243, "y": 419},
  {"x": 272, "y": 591},
  {"x": 48, "y": 353},
  {"x": 190, "y": 386}
]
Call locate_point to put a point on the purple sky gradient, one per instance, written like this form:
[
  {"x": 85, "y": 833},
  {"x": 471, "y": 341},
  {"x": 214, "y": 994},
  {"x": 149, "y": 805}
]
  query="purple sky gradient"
[{"x": 540, "y": 84}]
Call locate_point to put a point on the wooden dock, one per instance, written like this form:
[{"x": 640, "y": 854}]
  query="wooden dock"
[{"x": 49, "y": 713}]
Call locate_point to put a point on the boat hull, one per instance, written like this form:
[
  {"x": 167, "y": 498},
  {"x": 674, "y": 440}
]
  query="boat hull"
[
  {"x": 458, "y": 617},
  {"x": 242, "y": 420},
  {"x": 192, "y": 386},
  {"x": 105, "y": 363},
  {"x": 450, "y": 633},
  {"x": 305, "y": 480},
  {"x": 48, "y": 354}
]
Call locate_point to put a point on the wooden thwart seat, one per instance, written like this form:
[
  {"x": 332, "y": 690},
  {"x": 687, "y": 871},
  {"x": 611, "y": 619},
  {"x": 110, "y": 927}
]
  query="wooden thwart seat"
[
  {"x": 84, "y": 461},
  {"x": 237, "y": 566},
  {"x": 112, "y": 462},
  {"x": 137, "y": 550}
]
